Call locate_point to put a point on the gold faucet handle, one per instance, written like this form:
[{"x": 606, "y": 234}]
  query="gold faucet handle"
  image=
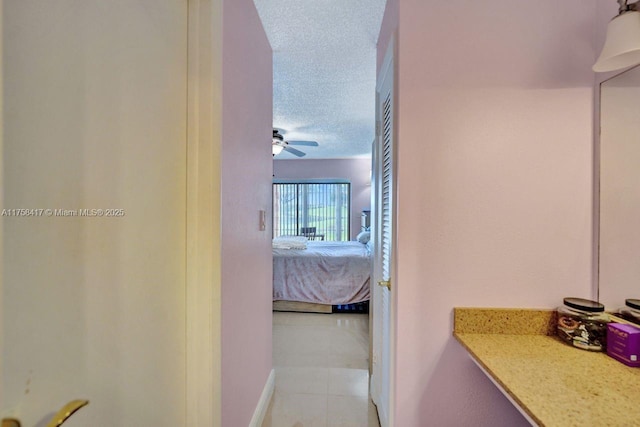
[
  {"x": 10, "y": 422},
  {"x": 65, "y": 412}
]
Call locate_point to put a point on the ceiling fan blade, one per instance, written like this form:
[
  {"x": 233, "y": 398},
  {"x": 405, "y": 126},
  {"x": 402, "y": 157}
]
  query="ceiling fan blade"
[
  {"x": 307, "y": 143},
  {"x": 294, "y": 151}
]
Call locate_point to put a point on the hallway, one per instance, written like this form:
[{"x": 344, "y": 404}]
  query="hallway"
[{"x": 321, "y": 365}]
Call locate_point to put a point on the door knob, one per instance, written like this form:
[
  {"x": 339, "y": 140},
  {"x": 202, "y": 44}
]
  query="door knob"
[
  {"x": 58, "y": 419},
  {"x": 385, "y": 284},
  {"x": 66, "y": 411}
]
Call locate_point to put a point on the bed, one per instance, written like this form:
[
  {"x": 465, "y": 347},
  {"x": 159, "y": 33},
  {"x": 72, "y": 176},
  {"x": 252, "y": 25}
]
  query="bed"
[{"x": 320, "y": 276}]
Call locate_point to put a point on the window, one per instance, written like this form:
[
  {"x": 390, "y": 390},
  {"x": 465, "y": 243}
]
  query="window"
[{"x": 323, "y": 205}]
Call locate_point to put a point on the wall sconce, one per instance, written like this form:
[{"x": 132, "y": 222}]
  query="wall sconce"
[{"x": 622, "y": 45}]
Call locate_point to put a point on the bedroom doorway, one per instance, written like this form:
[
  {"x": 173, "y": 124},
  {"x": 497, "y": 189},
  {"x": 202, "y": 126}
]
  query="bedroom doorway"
[
  {"x": 325, "y": 101},
  {"x": 321, "y": 361},
  {"x": 321, "y": 292}
]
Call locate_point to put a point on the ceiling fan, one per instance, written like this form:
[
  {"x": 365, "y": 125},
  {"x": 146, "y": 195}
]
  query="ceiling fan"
[{"x": 279, "y": 144}]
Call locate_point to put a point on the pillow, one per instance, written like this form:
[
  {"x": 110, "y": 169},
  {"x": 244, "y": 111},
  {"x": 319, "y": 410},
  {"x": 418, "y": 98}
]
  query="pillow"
[{"x": 364, "y": 237}]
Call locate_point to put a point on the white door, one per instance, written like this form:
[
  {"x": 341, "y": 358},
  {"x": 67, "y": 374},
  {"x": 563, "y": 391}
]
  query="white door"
[
  {"x": 382, "y": 212},
  {"x": 93, "y": 302}
]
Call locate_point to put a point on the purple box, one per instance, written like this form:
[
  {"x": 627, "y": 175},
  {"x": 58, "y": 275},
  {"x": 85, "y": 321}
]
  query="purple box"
[{"x": 623, "y": 343}]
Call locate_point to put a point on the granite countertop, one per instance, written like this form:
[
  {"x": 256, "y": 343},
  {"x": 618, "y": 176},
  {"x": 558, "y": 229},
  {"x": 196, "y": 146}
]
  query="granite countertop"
[{"x": 553, "y": 383}]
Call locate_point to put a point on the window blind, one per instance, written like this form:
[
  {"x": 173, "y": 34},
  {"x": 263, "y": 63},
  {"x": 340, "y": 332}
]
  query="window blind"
[{"x": 324, "y": 205}]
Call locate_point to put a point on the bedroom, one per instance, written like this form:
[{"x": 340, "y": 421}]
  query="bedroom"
[
  {"x": 352, "y": 177},
  {"x": 322, "y": 356}
]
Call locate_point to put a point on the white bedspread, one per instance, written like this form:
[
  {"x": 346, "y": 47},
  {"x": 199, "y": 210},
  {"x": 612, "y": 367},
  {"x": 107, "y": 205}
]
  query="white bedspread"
[
  {"x": 325, "y": 273},
  {"x": 290, "y": 242}
]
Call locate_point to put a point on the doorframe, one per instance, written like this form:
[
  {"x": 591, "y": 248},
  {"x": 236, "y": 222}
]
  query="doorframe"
[
  {"x": 1, "y": 191},
  {"x": 393, "y": 66},
  {"x": 203, "y": 230}
]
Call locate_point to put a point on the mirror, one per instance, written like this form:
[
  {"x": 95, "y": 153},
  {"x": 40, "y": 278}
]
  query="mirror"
[{"x": 619, "y": 251}]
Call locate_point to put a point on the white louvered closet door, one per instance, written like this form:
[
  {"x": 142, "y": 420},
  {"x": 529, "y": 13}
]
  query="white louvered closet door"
[{"x": 383, "y": 208}]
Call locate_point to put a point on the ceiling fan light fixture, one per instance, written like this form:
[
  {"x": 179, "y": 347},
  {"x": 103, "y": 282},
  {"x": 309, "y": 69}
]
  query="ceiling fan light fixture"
[
  {"x": 278, "y": 143},
  {"x": 276, "y": 148},
  {"x": 622, "y": 45}
]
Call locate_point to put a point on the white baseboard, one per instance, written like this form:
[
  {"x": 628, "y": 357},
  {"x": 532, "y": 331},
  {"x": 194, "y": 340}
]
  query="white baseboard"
[{"x": 265, "y": 399}]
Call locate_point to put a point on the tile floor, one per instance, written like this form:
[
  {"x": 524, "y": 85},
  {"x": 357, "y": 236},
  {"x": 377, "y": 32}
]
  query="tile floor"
[{"x": 321, "y": 364}]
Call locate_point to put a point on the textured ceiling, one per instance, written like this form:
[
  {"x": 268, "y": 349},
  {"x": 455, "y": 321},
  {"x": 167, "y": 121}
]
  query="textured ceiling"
[{"x": 324, "y": 71}]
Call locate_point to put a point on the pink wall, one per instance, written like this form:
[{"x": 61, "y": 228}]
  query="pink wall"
[
  {"x": 357, "y": 171},
  {"x": 246, "y": 188},
  {"x": 494, "y": 185}
]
